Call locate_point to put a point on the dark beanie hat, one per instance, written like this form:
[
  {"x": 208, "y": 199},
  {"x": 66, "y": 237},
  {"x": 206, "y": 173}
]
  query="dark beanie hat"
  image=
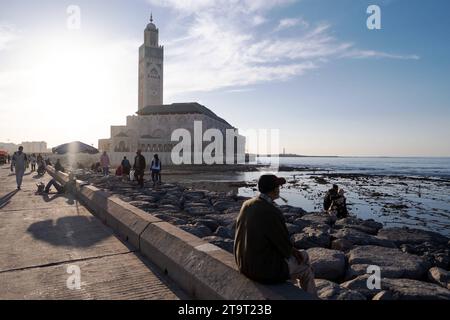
[{"x": 269, "y": 182}]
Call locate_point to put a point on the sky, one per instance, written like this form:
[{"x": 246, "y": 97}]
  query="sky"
[{"x": 311, "y": 69}]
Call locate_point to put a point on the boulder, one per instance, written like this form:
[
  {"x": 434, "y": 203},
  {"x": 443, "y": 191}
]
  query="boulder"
[
  {"x": 293, "y": 228},
  {"x": 408, "y": 289},
  {"x": 328, "y": 290},
  {"x": 367, "y": 226},
  {"x": 311, "y": 237},
  {"x": 170, "y": 201},
  {"x": 198, "y": 210},
  {"x": 360, "y": 285},
  {"x": 224, "y": 232},
  {"x": 193, "y": 195},
  {"x": 301, "y": 223},
  {"x": 144, "y": 205},
  {"x": 170, "y": 219},
  {"x": 198, "y": 230},
  {"x": 318, "y": 218},
  {"x": 225, "y": 244},
  {"x": 341, "y": 245},
  {"x": 412, "y": 236},
  {"x": 393, "y": 262},
  {"x": 439, "y": 276},
  {"x": 222, "y": 205},
  {"x": 145, "y": 198},
  {"x": 360, "y": 238},
  {"x": 383, "y": 295},
  {"x": 210, "y": 223},
  {"x": 292, "y": 210},
  {"x": 327, "y": 264},
  {"x": 224, "y": 219}
]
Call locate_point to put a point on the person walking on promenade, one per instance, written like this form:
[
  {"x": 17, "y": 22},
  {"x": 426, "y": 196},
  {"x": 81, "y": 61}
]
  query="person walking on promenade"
[
  {"x": 139, "y": 168},
  {"x": 104, "y": 162},
  {"x": 155, "y": 169},
  {"x": 263, "y": 250},
  {"x": 9, "y": 159},
  {"x": 19, "y": 163},
  {"x": 33, "y": 161}
]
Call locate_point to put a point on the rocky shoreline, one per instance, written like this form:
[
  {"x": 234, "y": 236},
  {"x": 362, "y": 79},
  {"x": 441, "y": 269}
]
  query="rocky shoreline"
[{"x": 414, "y": 263}]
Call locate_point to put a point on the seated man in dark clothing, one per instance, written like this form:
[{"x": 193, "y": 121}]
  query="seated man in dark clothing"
[
  {"x": 69, "y": 187},
  {"x": 338, "y": 207},
  {"x": 58, "y": 166},
  {"x": 330, "y": 196},
  {"x": 262, "y": 248}
]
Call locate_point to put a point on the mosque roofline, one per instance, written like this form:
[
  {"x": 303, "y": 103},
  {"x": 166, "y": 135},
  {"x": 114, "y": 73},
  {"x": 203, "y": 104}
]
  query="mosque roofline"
[{"x": 180, "y": 108}]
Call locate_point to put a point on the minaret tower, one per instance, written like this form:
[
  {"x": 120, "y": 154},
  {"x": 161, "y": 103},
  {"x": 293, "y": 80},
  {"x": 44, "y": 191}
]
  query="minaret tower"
[{"x": 151, "y": 66}]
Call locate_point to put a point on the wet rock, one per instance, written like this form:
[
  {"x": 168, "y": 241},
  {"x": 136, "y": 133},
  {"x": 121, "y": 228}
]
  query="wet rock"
[
  {"x": 173, "y": 220},
  {"x": 224, "y": 219},
  {"x": 293, "y": 228},
  {"x": 168, "y": 209},
  {"x": 225, "y": 244},
  {"x": 318, "y": 218},
  {"x": 327, "y": 264},
  {"x": 170, "y": 201},
  {"x": 222, "y": 205},
  {"x": 301, "y": 223},
  {"x": 144, "y": 205},
  {"x": 155, "y": 194},
  {"x": 393, "y": 262},
  {"x": 210, "y": 223},
  {"x": 360, "y": 238},
  {"x": 436, "y": 254},
  {"x": 383, "y": 295},
  {"x": 341, "y": 245},
  {"x": 194, "y": 195},
  {"x": 197, "y": 210},
  {"x": 198, "y": 230},
  {"x": 145, "y": 198},
  {"x": 367, "y": 226},
  {"x": 439, "y": 276},
  {"x": 328, "y": 290},
  {"x": 412, "y": 236},
  {"x": 311, "y": 237},
  {"x": 408, "y": 289},
  {"x": 360, "y": 284},
  {"x": 224, "y": 232}
]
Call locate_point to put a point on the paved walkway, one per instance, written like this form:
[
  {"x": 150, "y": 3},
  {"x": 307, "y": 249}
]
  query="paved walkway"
[{"x": 44, "y": 238}]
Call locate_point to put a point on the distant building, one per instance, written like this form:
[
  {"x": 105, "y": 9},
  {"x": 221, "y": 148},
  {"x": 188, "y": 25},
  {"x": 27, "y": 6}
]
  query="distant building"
[
  {"x": 9, "y": 147},
  {"x": 151, "y": 129},
  {"x": 34, "y": 146}
]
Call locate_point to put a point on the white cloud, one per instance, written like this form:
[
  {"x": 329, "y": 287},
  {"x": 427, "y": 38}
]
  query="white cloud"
[
  {"x": 220, "y": 44},
  {"x": 291, "y": 22},
  {"x": 7, "y": 35},
  {"x": 361, "y": 54}
]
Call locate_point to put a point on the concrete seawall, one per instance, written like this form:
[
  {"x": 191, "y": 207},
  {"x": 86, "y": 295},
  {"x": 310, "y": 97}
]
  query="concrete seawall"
[{"x": 203, "y": 270}]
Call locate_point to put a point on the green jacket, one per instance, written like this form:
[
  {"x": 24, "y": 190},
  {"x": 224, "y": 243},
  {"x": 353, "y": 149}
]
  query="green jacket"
[{"x": 262, "y": 242}]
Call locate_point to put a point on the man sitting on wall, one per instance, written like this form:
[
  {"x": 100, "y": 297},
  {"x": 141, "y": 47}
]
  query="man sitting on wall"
[
  {"x": 69, "y": 187},
  {"x": 262, "y": 248}
]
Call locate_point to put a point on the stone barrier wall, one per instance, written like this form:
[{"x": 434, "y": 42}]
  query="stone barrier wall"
[{"x": 203, "y": 270}]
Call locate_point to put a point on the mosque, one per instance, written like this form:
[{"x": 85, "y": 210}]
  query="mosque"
[{"x": 150, "y": 130}]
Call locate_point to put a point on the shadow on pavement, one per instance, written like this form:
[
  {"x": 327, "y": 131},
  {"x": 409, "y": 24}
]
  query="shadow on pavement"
[
  {"x": 6, "y": 198},
  {"x": 73, "y": 231},
  {"x": 49, "y": 197}
]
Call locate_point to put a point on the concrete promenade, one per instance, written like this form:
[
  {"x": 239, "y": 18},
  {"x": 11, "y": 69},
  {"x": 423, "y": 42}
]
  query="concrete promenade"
[{"x": 44, "y": 240}]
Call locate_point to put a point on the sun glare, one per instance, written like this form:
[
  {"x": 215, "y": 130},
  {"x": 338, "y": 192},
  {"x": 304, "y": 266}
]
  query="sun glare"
[{"x": 73, "y": 78}]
